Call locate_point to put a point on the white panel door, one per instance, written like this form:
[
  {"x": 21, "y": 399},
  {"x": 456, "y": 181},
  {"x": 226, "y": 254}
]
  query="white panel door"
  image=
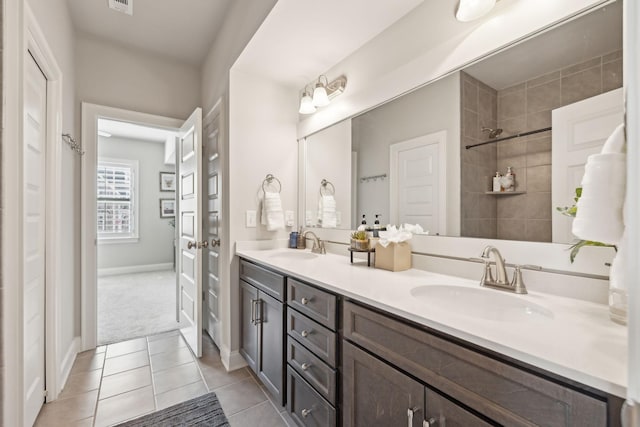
[
  {"x": 189, "y": 220},
  {"x": 35, "y": 109},
  {"x": 212, "y": 227},
  {"x": 417, "y": 180},
  {"x": 579, "y": 130}
]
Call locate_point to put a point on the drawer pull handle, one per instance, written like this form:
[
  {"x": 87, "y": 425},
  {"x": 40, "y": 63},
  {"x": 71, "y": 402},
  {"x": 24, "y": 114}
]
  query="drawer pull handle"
[
  {"x": 410, "y": 413},
  {"x": 305, "y": 366},
  {"x": 432, "y": 422},
  {"x": 305, "y": 301},
  {"x": 305, "y": 413},
  {"x": 304, "y": 333}
]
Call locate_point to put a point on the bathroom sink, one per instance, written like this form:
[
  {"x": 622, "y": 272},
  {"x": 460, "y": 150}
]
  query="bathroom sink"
[
  {"x": 294, "y": 255},
  {"x": 481, "y": 303}
]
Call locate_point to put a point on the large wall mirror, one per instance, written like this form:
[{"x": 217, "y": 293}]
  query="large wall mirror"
[{"x": 429, "y": 157}]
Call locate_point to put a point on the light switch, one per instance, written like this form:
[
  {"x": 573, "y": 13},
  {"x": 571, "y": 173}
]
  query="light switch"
[
  {"x": 288, "y": 218},
  {"x": 251, "y": 219}
]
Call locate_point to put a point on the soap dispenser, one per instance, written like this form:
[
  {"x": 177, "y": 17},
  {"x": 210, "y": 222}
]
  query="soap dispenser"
[
  {"x": 497, "y": 183},
  {"x": 376, "y": 226},
  {"x": 364, "y": 220},
  {"x": 510, "y": 179}
]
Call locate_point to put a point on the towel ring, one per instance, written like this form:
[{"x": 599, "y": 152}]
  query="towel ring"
[
  {"x": 269, "y": 180},
  {"x": 323, "y": 186}
]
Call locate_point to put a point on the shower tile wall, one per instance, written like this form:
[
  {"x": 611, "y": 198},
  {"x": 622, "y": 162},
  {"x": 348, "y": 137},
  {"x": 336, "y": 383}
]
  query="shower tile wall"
[
  {"x": 527, "y": 106},
  {"x": 478, "y": 108}
]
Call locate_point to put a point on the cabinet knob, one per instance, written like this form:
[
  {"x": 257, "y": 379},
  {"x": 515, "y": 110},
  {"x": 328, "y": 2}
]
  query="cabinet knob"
[
  {"x": 304, "y": 301},
  {"x": 305, "y": 366},
  {"x": 305, "y": 412},
  {"x": 304, "y": 333}
]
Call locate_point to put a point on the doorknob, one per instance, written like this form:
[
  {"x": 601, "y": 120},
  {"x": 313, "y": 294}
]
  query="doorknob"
[
  {"x": 203, "y": 244},
  {"x": 215, "y": 242},
  {"x": 191, "y": 245},
  {"x": 196, "y": 245}
]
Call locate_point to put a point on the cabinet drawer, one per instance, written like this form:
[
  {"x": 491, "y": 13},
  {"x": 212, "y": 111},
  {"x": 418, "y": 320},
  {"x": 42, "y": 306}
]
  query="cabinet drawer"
[
  {"x": 502, "y": 392},
  {"x": 305, "y": 405},
  {"x": 263, "y": 279},
  {"x": 315, "y": 303},
  {"x": 317, "y": 373},
  {"x": 315, "y": 337}
]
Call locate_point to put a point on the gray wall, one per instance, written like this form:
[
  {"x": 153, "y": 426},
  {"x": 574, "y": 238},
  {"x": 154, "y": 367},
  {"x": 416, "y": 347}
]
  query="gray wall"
[
  {"x": 527, "y": 106},
  {"x": 432, "y": 108},
  {"x": 155, "y": 244}
]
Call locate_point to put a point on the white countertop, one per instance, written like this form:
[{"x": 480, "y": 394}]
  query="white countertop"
[{"x": 579, "y": 343}]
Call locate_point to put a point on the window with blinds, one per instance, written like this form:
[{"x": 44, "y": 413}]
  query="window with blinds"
[{"x": 116, "y": 211}]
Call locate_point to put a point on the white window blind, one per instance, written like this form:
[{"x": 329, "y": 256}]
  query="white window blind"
[{"x": 116, "y": 210}]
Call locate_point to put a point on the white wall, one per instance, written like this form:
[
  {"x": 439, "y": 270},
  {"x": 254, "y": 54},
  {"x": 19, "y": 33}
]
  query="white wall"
[
  {"x": 433, "y": 108},
  {"x": 116, "y": 76},
  {"x": 413, "y": 52},
  {"x": 155, "y": 238},
  {"x": 329, "y": 157}
]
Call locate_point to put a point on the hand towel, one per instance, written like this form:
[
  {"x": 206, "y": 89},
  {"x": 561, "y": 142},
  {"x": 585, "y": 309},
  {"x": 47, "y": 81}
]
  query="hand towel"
[
  {"x": 600, "y": 208},
  {"x": 327, "y": 216},
  {"x": 271, "y": 214}
]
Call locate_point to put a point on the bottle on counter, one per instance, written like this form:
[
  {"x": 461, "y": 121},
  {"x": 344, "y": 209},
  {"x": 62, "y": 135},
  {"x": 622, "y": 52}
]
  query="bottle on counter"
[
  {"x": 293, "y": 239},
  {"x": 364, "y": 220},
  {"x": 301, "y": 243},
  {"x": 376, "y": 226},
  {"x": 497, "y": 183}
]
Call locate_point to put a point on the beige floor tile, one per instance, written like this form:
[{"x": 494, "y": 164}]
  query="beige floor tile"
[
  {"x": 87, "y": 422},
  {"x": 176, "y": 377},
  {"x": 126, "y": 347},
  {"x": 162, "y": 335},
  {"x": 81, "y": 383},
  {"x": 262, "y": 415},
  {"x": 65, "y": 412},
  {"x": 240, "y": 396},
  {"x": 126, "y": 362},
  {"x": 169, "y": 359},
  {"x": 172, "y": 397},
  {"x": 217, "y": 376},
  {"x": 169, "y": 343},
  {"x": 125, "y": 406},
  {"x": 87, "y": 361},
  {"x": 125, "y": 381}
]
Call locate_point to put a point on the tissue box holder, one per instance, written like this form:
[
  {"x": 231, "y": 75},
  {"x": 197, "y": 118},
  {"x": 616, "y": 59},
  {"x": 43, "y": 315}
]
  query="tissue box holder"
[{"x": 395, "y": 257}]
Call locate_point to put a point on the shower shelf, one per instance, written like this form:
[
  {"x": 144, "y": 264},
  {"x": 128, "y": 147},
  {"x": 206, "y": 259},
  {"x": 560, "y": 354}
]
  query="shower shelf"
[{"x": 504, "y": 193}]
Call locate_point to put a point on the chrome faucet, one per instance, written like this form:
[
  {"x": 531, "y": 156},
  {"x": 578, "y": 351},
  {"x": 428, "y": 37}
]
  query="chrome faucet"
[
  {"x": 500, "y": 282},
  {"x": 318, "y": 245}
]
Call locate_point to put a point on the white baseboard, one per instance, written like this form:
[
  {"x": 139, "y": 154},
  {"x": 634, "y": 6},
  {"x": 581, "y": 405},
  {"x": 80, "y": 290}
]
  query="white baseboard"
[
  {"x": 67, "y": 363},
  {"x": 102, "y": 272},
  {"x": 232, "y": 360}
]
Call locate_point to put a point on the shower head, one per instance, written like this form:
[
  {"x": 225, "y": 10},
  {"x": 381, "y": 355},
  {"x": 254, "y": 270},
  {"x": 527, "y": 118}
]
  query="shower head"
[{"x": 493, "y": 133}]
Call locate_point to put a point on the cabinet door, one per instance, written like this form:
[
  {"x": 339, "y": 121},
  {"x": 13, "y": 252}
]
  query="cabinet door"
[
  {"x": 249, "y": 331},
  {"x": 271, "y": 345},
  {"x": 443, "y": 412},
  {"x": 375, "y": 394}
]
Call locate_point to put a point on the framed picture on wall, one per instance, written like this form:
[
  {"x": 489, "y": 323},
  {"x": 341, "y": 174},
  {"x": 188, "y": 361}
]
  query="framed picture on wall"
[
  {"x": 167, "y": 208},
  {"x": 167, "y": 181}
]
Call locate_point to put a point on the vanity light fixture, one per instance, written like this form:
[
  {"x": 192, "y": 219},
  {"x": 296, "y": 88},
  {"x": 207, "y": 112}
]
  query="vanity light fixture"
[
  {"x": 469, "y": 10},
  {"x": 306, "y": 103},
  {"x": 323, "y": 93}
]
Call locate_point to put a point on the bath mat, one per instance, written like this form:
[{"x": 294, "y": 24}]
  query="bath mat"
[{"x": 201, "y": 411}]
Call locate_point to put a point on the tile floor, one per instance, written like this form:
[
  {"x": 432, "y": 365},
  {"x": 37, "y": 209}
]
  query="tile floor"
[{"x": 121, "y": 381}]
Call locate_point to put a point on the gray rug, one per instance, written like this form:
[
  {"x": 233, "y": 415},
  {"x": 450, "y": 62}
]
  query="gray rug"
[
  {"x": 136, "y": 305},
  {"x": 201, "y": 411}
]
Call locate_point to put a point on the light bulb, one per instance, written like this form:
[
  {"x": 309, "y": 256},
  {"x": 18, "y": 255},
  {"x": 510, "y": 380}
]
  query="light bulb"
[
  {"x": 320, "y": 98},
  {"x": 306, "y": 104}
]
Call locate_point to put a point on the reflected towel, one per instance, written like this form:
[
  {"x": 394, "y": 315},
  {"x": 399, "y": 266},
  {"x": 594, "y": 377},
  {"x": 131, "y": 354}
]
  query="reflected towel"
[
  {"x": 600, "y": 208},
  {"x": 271, "y": 214},
  {"x": 327, "y": 216}
]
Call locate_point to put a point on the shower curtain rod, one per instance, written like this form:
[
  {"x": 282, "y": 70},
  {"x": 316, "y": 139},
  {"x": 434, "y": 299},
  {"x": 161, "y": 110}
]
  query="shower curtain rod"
[{"x": 531, "y": 132}]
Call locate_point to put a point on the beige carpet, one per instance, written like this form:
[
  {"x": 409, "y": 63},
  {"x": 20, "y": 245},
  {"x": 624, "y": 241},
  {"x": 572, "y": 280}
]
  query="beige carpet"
[{"x": 136, "y": 305}]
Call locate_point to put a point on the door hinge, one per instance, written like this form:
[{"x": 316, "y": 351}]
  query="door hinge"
[{"x": 45, "y": 393}]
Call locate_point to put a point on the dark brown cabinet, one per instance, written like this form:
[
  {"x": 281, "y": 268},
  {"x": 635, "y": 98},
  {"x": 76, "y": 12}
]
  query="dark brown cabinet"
[{"x": 262, "y": 326}]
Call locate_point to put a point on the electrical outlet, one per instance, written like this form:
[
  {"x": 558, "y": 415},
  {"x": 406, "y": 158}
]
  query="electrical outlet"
[
  {"x": 251, "y": 219},
  {"x": 288, "y": 218}
]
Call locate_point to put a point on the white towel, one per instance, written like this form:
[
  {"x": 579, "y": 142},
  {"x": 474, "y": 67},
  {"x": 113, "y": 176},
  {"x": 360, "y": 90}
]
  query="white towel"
[
  {"x": 600, "y": 208},
  {"x": 272, "y": 215},
  {"x": 327, "y": 216}
]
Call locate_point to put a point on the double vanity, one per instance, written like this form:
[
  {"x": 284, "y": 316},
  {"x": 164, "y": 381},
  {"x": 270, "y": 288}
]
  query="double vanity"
[{"x": 342, "y": 344}]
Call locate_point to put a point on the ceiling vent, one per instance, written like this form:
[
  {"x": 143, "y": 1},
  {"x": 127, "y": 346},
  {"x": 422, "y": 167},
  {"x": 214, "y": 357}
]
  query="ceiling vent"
[{"x": 124, "y": 6}]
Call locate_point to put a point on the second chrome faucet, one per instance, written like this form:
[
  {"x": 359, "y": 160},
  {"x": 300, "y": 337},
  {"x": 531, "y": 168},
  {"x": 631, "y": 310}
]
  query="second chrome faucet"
[{"x": 500, "y": 282}]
